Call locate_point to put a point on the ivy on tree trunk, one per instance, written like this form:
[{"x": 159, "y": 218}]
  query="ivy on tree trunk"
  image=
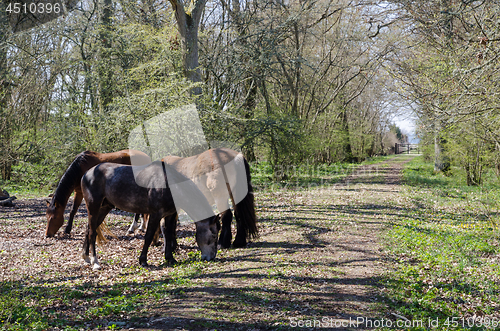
[{"x": 188, "y": 22}]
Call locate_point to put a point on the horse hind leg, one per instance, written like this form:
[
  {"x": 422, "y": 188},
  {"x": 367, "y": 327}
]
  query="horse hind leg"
[
  {"x": 86, "y": 241},
  {"x": 93, "y": 260},
  {"x": 144, "y": 223},
  {"x": 95, "y": 219},
  {"x": 134, "y": 224},
  {"x": 76, "y": 203}
]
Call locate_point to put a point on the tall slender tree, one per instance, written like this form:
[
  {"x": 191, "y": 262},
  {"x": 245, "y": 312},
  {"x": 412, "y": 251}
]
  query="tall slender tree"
[
  {"x": 5, "y": 163},
  {"x": 105, "y": 70},
  {"x": 188, "y": 22}
]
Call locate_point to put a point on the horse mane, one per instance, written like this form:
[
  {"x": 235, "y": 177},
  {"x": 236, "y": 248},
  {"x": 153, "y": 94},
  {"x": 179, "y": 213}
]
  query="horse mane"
[{"x": 71, "y": 179}]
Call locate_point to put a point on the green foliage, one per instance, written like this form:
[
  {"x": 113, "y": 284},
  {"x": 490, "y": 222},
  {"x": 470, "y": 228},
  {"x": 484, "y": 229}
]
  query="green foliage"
[
  {"x": 112, "y": 304},
  {"x": 267, "y": 89},
  {"x": 146, "y": 71},
  {"x": 150, "y": 82},
  {"x": 397, "y": 131},
  {"x": 454, "y": 83},
  {"x": 470, "y": 151},
  {"x": 442, "y": 247},
  {"x": 421, "y": 173},
  {"x": 325, "y": 140},
  {"x": 16, "y": 313},
  {"x": 303, "y": 175}
]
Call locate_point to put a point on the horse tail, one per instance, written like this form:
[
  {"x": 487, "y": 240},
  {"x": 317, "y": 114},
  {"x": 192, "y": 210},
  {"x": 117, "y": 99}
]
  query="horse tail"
[
  {"x": 245, "y": 209},
  {"x": 101, "y": 231}
]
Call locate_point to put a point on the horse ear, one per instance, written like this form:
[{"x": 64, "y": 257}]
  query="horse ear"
[
  {"x": 48, "y": 203},
  {"x": 56, "y": 204}
]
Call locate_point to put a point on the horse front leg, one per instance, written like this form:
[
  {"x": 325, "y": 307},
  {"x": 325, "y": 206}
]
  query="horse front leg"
[
  {"x": 156, "y": 238},
  {"x": 222, "y": 203},
  {"x": 76, "y": 203},
  {"x": 241, "y": 232},
  {"x": 225, "y": 233},
  {"x": 153, "y": 224}
]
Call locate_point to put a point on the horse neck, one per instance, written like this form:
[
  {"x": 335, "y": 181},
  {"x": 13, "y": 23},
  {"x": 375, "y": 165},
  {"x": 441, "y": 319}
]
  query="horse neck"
[{"x": 70, "y": 181}]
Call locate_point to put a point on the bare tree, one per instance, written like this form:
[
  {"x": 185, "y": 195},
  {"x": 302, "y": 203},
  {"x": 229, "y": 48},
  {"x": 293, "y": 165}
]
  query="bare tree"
[
  {"x": 5, "y": 130},
  {"x": 104, "y": 66},
  {"x": 188, "y": 22}
]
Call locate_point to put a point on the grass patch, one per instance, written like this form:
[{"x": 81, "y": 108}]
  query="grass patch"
[
  {"x": 446, "y": 251},
  {"x": 23, "y": 192}
]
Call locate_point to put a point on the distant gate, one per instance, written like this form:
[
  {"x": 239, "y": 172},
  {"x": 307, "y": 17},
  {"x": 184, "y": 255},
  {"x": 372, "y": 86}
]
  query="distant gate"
[{"x": 406, "y": 148}]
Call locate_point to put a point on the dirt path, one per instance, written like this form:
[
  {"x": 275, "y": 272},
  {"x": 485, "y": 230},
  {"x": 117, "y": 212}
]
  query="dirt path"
[
  {"x": 317, "y": 263},
  {"x": 373, "y": 194}
]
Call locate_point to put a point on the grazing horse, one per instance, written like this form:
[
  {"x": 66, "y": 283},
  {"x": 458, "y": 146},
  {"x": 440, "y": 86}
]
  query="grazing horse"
[
  {"x": 156, "y": 189},
  {"x": 221, "y": 174},
  {"x": 70, "y": 182}
]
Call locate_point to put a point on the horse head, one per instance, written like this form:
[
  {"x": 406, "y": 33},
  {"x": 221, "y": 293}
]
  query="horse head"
[
  {"x": 207, "y": 232},
  {"x": 55, "y": 218}
]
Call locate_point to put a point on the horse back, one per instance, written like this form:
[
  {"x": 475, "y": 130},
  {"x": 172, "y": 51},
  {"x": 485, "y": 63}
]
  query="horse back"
[
  {"x": 202, "y": 164},
  {"x": 126, "y": 156},
  {"x": 142, "y": 193}
]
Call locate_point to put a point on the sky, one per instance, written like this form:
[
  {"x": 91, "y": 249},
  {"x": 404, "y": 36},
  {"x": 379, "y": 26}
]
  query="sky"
[{"x": 407, "y": 125}]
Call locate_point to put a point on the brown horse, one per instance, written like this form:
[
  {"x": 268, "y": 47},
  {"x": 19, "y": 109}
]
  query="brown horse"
[
  {"x": 222, "y": 174},
  {"x": 70, "y": 182}
]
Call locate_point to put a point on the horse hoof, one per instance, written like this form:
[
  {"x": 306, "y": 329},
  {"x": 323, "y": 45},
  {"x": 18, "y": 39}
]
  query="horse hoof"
[
  {"x": 239, "y": 244},
  {"x": 130, "y": 232},
  {"x": 96, "y": 267},
  {"x": 225, "y": 245},
  {"x": 86, "y": 258},
  {"x": 172, "y": 262}
]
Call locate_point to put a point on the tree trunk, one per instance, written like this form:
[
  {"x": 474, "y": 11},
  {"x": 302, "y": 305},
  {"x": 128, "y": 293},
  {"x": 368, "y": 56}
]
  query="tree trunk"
[
  {"x": 441, "y": 161},
  {"x": 188, "y": 24},
  {"x": 5, "y": 123},
  {"x": 249, "y": 107},
  {"x": 105, "y": 72},
  {"x": 250, "y": 90},
  {"x": 347, "y": 142}
]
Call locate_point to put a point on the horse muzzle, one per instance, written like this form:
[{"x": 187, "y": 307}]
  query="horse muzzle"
[{"x": 207, "y": 257}]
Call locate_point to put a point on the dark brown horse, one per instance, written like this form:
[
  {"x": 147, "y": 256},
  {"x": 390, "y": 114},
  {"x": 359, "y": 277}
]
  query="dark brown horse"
[
  {"x": 222, "y": 174},
  {"x": 70, "y": 182},
  {"x": 146, "y": 190}
]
